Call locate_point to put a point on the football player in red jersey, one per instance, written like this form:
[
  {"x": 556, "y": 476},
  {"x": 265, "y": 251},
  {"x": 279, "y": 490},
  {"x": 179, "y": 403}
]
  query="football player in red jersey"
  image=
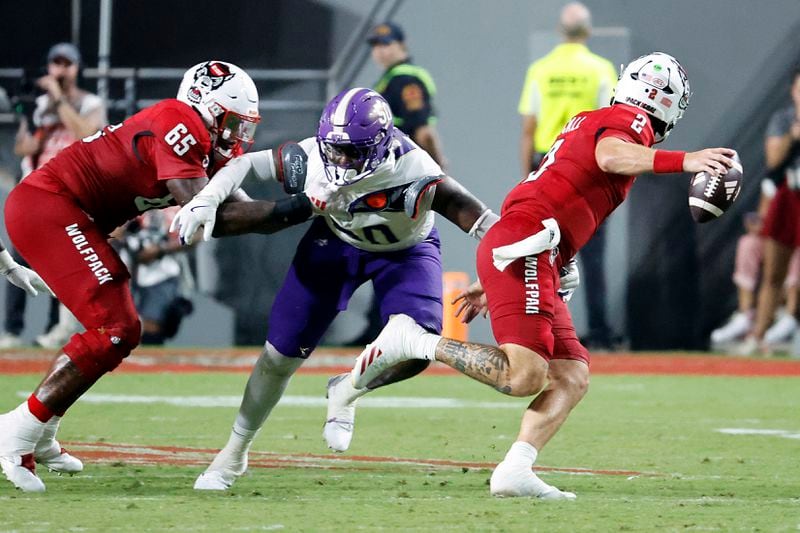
[
  {"x": 60, "y": 216},
  {"x": 545, "y": 220}
]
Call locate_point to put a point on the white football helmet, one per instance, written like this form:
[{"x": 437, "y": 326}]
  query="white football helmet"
[
  {"x": 657, "y": 84},
  {"x": 227, "y": 100}
]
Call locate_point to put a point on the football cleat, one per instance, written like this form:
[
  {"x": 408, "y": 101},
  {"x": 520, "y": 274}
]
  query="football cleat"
[
  {"x": 20, "y": 470},
  {"x": 515, "y": 480},
  {"x": 57, "y": 459},
  {"x": 49, "y": 453},
  {"x": 215, "y": 480},
  {"x": 394, "y": 344},
  {"x": 340, "y": 421},
  {"x": 221, "y": 474}
]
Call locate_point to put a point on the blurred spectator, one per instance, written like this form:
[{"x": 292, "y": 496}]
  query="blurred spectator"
[
  {"x": 407, "y": 87},
  {"x": 63, "y": 114},
  {"x": 781, "y": 228},
  {"x": 746, "y": 271},
  {"x": 159, "y": 270},
  {"x": 568, "y": 80}
]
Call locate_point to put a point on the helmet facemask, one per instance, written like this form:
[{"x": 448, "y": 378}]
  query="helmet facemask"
[
  {"x": 355, "y": 135},
  {"x": 232, "y": 133}
]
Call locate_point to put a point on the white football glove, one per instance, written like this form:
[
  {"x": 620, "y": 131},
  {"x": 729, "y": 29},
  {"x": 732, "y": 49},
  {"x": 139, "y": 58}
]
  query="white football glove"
[
  {"x": 201, "y": 211},
  {"x": 570, "y": 279},
  {"x": 24, "y": 278}
]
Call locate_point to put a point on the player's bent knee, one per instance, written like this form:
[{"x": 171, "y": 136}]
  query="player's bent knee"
[
  {"x": 101, "y": 350},
  {"x": 274, "y": 363},
  {"x": 526, "y": 383},
  {"x": 527, "y": 374},
  {"x": 573, "y": 379}
]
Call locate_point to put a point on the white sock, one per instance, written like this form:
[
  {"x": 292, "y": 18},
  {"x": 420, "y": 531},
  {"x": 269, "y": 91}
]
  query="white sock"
[
  {"x": 50, "y": 430},
  {"x": 426, "y": 346},
  {"x": 522, "y": 453},
  {"x": 268, "y": 380},
  {"x": 240, "y": 439},
  {"x": 234, "y": 455},
  {"x": 351, "y": 393}
]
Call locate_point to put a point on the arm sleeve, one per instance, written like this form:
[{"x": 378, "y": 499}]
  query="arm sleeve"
[
  {"x": 262, "y": 165},
  {"x": 229, "y": 178},
  {"x": 180, "y": 147}
]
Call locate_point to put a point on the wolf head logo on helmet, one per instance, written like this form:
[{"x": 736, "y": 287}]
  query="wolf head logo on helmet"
[
  {"x": 208, "y": 76},
  {"x": 355, "y": 135},
  {"x": 227, "y": 100},
  {"x": 657, "y": 84}
]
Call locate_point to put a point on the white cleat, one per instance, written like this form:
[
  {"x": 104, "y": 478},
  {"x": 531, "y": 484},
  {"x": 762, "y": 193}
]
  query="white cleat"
[
  {"x": 57, "y": 459},
  {"x": 394, "y": 344},
  {"x": 341, "y": 418},
  {"x": 215, "y": 480},
  {"x": 51, "y": 455},
  {"x": 21, "y": 471},
  {"x": 223, "y": 471},
  {"x": 513, "y": 480}
]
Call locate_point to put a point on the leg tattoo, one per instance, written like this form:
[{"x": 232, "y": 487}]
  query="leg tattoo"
[{"x": 487, "y": 364}]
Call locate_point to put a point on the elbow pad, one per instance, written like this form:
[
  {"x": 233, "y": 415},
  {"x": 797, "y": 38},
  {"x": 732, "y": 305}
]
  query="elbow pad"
[{"x": 291, "y": 167}]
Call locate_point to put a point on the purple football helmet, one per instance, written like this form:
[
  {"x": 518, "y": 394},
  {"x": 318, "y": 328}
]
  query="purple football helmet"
[{"x": 355, "y": 134}]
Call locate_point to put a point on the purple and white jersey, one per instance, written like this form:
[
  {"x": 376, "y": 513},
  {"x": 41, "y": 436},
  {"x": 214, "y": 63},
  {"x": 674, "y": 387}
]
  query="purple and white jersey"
[{"x": 372, "y": 214}]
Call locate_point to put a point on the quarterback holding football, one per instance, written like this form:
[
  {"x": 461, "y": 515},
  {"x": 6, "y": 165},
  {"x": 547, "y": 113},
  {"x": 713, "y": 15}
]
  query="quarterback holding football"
[{"x": 544, "y": 221}]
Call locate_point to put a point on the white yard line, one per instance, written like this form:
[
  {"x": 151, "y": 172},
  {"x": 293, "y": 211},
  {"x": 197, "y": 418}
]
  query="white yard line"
[
  {"x": 382, "y": 402},
  {"x": 784, "y": 433}
]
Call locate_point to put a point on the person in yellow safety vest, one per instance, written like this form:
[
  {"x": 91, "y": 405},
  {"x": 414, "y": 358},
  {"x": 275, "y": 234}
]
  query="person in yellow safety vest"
[{"x": 568, "y": 80}]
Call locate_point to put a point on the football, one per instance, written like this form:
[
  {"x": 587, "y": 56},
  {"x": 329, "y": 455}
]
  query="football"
[{"x": 710, "y": 196}]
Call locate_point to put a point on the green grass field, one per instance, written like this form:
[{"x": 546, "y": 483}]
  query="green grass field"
[{"x": 693, "y": 477}]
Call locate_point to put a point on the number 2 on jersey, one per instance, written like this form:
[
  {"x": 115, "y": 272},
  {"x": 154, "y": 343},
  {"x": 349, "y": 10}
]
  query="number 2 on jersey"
[
  {"x": 180, "y": 143},
  {"x": 638, "y": 123},
  {"x": 549, "y": 159}
]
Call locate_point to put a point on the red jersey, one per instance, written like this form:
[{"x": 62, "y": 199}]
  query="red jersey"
[
  {"x": 121, "y": 171},
  {"x": 569, "y": 186}
]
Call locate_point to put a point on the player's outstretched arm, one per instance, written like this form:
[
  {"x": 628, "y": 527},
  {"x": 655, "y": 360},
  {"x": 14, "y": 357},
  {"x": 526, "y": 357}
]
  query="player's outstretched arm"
[
  {"x": 616, "y": 156},
  {"x": 459, "y": 206},
  {"x": 261, "y": 216}
]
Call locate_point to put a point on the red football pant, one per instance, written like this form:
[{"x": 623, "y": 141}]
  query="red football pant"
[
  {"x": 524, "y": 307},
  {"x": 72, "y": 255}
]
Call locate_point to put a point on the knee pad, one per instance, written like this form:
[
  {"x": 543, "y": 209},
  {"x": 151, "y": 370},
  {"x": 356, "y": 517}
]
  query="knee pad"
[
  {"x": 101, "y": 350},
  {"x": 272, "y": 362}
]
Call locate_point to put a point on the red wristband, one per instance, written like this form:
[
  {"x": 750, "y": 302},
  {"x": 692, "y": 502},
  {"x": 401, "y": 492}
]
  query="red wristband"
[{"x": 668, "y": 162}]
